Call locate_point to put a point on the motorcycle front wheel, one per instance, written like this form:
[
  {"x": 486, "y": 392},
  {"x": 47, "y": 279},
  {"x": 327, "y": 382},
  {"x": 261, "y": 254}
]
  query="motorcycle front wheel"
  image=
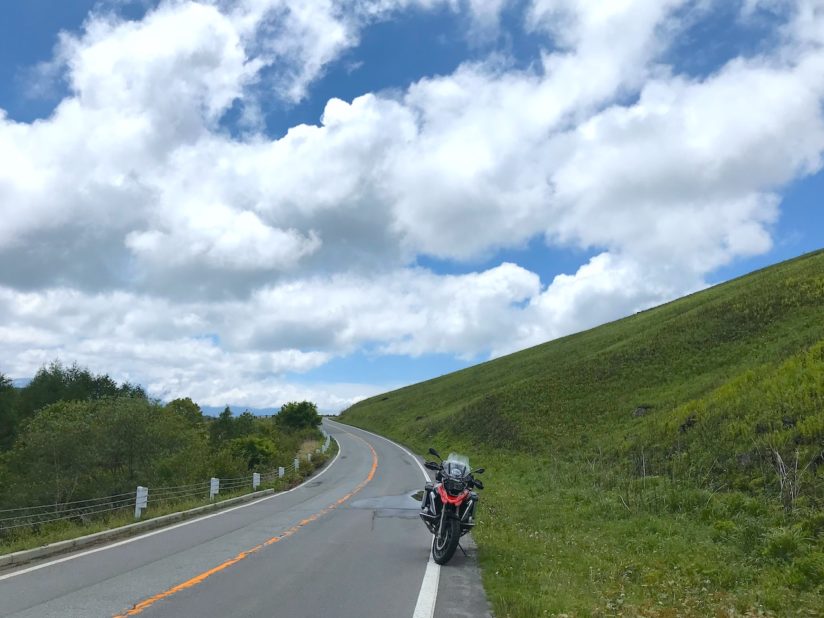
[{"x": 447, "y": 542}]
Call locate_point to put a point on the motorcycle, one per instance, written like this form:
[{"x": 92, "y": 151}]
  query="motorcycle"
[{"x": 448, "y": 504}]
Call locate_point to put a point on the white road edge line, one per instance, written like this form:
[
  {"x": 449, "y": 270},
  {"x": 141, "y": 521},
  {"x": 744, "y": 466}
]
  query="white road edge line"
[
  {"x": 428, "y": 595},
  {"x": 167, "y": 528}
]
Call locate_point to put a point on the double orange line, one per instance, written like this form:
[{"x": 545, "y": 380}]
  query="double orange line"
[{"x": 197, "y": 579}]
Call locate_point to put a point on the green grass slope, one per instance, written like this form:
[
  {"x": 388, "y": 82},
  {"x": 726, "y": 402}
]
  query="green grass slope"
[{"x": 667, "y": 464}]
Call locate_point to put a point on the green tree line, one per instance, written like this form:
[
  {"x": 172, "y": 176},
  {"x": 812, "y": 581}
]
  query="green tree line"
[{"x": 70, "y": 435}]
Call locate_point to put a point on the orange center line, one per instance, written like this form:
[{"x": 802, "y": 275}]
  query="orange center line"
[{"x": 197, "y": 579}]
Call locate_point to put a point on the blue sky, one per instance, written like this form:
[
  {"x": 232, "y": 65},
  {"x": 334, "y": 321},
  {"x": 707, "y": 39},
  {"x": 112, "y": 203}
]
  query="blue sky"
[{"x": 336, "y": 261}]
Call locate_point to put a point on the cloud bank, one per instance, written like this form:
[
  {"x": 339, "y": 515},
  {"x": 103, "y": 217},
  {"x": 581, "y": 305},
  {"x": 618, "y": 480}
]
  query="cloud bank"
[{"x": 140, "y": 235}]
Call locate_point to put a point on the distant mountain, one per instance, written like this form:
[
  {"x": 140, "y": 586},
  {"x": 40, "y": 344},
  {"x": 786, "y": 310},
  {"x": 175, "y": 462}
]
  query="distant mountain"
[{"x": 216, "y": 410}]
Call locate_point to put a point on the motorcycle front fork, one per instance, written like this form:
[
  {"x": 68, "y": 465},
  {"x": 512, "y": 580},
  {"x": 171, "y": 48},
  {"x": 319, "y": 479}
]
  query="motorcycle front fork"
[
  {"x": 440, "y": 526},
  {"x": 466, "y": 518}
]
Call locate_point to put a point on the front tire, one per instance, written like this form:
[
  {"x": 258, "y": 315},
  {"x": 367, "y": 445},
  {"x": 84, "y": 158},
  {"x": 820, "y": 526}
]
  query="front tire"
[{"x": 444, "y": 548}]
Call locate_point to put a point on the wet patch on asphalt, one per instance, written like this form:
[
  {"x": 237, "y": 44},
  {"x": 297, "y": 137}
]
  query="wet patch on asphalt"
[{"x": 404, "y": 506}]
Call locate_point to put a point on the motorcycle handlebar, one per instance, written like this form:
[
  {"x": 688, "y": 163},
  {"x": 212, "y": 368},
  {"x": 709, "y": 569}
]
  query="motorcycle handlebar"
[{"x": 434, "y": 465}]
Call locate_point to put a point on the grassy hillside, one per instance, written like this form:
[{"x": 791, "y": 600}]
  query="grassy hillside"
[{"x": 666, "y": 464}]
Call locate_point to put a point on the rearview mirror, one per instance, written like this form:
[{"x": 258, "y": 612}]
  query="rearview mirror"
[
  {"x": 432, "y": 465},
  {"x": 478, "y": 484},
  {"x": 432, "y": 451},
  {"x": 479, "y": 471}
]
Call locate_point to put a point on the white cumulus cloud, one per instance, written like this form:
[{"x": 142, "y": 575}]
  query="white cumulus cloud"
[{"x": 139, "y": 236}]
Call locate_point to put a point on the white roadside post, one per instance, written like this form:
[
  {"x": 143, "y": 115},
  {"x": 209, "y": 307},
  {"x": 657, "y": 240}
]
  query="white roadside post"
[
  {"x": 281, "y": 472},
  {"x": 309, "y": 457},
  {"x": 296, "y": 465},
  {"x": 141, "y": 500},
  {"x": 214, "y": 488},
  {"x": 255, "y": 480}
]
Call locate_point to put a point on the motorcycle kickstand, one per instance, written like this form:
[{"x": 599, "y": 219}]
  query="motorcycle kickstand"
[{"x": 463, "y": 550}]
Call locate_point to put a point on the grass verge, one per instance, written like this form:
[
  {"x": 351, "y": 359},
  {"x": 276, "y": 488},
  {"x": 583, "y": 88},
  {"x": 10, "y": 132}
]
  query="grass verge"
[{"x": 71, "y": 529}]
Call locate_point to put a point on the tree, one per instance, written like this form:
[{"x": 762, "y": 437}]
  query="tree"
[
  {"x": 56, "y": 382},
  {"x": 223, "y": 428},
  {"x": 8, "y": 412},
  {"x": 127, "y": 389},
  {"x": 48, "y": 386},
  {"x": 144, "y": 442},
  {"x": 54, "y": 457},
  {"x": 299, "y": 415},
  {"x": 187, "y": 409},
  {"x": 83, "y": 449},
  {"x": 244, "y": 424}
]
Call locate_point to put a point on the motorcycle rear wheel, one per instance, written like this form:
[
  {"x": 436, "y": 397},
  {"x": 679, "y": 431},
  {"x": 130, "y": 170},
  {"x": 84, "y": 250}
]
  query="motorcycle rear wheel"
[{"x": 444, "y": 549}]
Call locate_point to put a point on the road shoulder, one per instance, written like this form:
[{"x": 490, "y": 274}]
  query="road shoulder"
[{"x": 461, "y": 593}]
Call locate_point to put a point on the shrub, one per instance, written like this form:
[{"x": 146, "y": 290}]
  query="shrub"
[
  {"x": 299, "y": 415},
  {"x": 782, "y": 544},
  {"x": 258, "y": 453}
]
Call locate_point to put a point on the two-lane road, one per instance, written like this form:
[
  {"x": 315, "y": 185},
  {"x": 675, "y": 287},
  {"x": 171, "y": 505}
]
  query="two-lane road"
[{"x": 346, "y": 543}]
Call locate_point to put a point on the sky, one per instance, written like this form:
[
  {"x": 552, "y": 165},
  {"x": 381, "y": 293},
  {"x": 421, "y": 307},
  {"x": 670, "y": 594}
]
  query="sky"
[{"x": 261, "y": 201}]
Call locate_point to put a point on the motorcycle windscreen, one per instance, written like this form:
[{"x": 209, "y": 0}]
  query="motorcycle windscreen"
[{"x": 457, "y": 466}]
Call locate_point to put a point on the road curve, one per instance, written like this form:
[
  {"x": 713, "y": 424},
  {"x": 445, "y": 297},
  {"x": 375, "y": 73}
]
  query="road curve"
[{"x": 347, "y": 543}]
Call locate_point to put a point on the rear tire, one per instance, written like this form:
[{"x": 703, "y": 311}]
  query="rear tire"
[{"x": 443, "y": 550}]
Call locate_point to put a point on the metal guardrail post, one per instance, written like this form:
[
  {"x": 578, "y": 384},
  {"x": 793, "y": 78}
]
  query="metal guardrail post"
[{"x": 141, "y": 501}]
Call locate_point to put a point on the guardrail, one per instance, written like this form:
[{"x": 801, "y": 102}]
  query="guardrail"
[{"x": 140, "y": 499}]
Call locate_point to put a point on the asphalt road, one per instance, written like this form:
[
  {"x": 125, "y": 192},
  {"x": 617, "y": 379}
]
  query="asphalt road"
[{"x": 347, "y": 543}]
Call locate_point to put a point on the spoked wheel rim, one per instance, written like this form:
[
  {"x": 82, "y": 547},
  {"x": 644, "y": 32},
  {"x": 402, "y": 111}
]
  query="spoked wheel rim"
[
  {"x": 442, "y": 540},
  {"x": 444, "y": 547}
]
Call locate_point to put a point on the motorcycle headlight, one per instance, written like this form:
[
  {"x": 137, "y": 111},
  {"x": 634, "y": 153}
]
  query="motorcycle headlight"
[{"x": 453, "y": 486}]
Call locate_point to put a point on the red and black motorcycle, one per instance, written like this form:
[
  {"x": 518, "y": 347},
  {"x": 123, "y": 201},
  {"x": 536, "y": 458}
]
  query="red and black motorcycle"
[{"x": 448, "y": 504}]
